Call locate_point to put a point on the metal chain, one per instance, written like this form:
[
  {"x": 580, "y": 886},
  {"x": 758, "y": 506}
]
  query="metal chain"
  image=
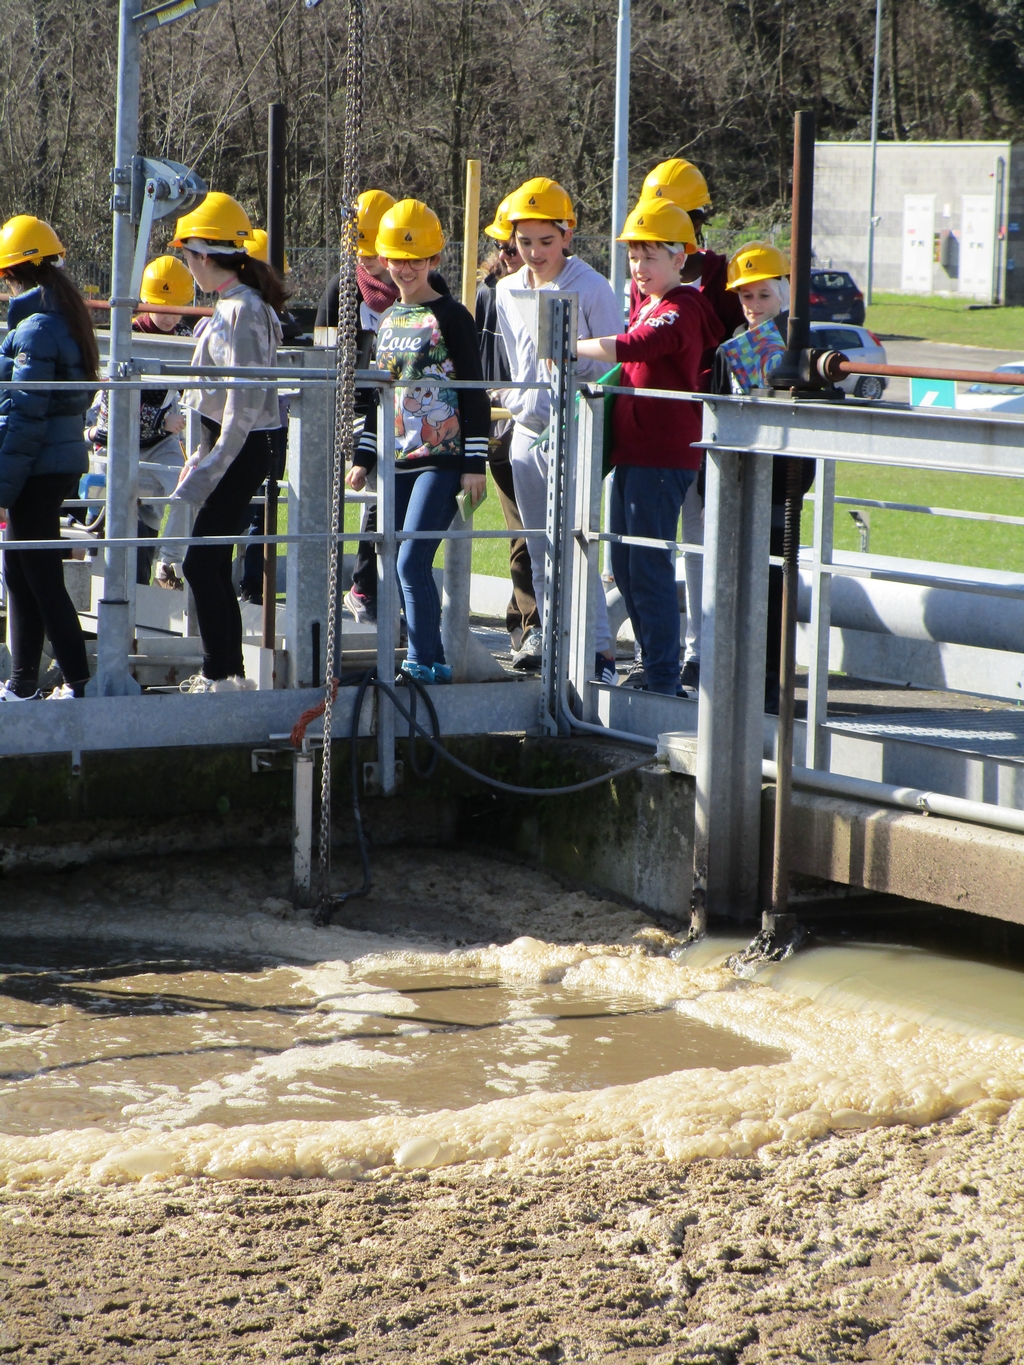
[{"x": 344, "y": 405}]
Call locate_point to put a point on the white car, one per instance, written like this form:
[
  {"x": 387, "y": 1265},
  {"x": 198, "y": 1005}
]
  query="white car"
[
  {"x": 857, "y": 343},
  {"x": 995, "y": 397}
]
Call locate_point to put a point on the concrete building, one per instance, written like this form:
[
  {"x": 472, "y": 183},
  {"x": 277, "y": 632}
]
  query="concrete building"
[{"x": 950, "y": 216}]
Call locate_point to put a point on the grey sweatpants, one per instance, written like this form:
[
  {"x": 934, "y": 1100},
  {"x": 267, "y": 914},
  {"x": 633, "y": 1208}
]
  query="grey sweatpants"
[{"x": 530, "y": 478}]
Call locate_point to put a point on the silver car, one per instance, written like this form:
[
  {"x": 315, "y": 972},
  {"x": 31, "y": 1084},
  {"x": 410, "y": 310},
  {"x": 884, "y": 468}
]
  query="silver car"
[
  {"x": 995, "y": 397},
  {"x": 857, "y": 343}
]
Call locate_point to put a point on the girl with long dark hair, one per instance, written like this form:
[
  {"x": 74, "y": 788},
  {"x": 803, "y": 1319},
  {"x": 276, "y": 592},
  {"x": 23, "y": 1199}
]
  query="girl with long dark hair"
[
  {"x": 234, "y": 456},
  {"x": 43, "y": 452}
]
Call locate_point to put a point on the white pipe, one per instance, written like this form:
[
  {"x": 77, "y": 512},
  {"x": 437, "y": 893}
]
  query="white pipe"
[
  {"x": 620, "y": 164},
  {"x": 604, "y": 731},
  {"x": 910, "y": 798},
  {"x": 870, "y": 283}
]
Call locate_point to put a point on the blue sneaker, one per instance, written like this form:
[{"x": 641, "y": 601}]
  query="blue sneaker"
[
  {"x": 442, "y": 673},
  {"x": 418, "y": 672}
]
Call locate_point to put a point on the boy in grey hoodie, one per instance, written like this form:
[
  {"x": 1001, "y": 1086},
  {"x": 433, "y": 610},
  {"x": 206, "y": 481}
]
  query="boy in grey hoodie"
[{"x": 543, "y": 220}]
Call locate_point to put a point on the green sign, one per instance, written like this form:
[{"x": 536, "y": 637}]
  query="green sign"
[{"x": 932, "y": 393}]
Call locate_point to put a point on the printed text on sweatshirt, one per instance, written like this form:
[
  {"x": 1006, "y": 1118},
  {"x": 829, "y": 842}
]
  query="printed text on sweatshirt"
[{"x": 424, "y": 347}]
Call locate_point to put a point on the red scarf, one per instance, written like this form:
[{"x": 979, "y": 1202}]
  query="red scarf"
[{"x": 376, "y": 294}]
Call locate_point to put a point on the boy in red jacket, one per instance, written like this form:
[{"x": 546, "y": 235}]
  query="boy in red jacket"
[{"x": 652, "y": 438}]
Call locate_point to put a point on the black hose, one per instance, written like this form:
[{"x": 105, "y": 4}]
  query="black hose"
[{"x": 328, "y": 903}]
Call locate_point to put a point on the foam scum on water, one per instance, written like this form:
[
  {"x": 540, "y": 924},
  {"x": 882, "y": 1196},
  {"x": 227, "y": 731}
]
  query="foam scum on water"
[{"x": 854, "y": 1196}]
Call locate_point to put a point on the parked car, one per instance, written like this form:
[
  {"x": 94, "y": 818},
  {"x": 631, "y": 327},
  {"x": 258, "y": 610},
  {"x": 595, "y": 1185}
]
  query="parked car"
[
  {"x": 995, "y": 397},
  {"x": 858, "y": 344},
  {"x": 835, "y": 298}
]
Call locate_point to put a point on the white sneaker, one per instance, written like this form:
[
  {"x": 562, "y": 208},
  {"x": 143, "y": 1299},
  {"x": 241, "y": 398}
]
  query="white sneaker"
[
  {"x": 197, "y": 683},
  {"x": 63, "y": 693},
  {"x": 236, "y": 683},
  {"x": 527, "y": 658},
  {"x": 7, "y": 693}
]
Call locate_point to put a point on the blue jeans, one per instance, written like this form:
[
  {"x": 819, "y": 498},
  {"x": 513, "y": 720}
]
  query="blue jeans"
[
  {"x": 424, "y": 501},
  {"x": 647, "y": 502}
]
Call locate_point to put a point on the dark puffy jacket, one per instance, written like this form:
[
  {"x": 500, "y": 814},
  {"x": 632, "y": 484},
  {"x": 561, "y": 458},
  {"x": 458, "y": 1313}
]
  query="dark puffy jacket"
[{"x": 40, "y": 432}]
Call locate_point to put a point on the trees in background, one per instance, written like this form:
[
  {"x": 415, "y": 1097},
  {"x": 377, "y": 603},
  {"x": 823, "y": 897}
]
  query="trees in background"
[{"x": 525, "y": 85}]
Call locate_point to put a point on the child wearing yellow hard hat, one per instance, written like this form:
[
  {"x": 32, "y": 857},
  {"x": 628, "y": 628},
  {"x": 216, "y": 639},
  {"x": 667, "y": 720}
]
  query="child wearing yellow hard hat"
[
  {"x": 653, "y": 453},
  {"x": 425, "y": 340},
  {"x": 542, "y": 218}
]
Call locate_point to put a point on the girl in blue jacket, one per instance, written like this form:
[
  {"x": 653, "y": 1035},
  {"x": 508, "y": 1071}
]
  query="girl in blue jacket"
[{"x": 42, "y": 450}]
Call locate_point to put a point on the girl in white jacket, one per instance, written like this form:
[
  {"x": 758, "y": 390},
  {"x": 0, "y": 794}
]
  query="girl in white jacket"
[
  {"x": 223, "y": 475},
  {"x": 542, "y": 216}
]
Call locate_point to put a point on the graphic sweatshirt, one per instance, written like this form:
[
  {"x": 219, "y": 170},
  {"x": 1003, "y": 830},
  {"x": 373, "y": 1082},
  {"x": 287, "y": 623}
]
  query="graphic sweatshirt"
[
  {"x": 663, "y": 349},
  {"x": 424, "y": 346},
  {"x": 598, "y": 315}
]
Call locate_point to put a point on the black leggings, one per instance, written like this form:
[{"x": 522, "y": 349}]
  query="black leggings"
[
  {"x": 207, "y": 568},
  {"x": 39, "y": 602}
]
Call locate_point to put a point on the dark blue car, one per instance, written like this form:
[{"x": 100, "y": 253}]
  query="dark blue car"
[{"x": 835, "y": 298}]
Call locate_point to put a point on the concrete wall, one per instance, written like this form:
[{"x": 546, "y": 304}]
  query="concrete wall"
[{"x": 946, "y": 170}]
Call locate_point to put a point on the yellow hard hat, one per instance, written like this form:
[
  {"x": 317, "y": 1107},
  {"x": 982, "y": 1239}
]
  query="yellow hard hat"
[
  {"x": 501, "y": 228},
  {"x": 679, "y": 181},
  {"x": 409, "y": 231},
  {"x": 24, "y": 238},
  {"x": 218, "y": 219},
  {"x": 542, "y": 199},
  {"x": 166, "y": 280},
  {"x": 659, "y": 220},
  {"x": 756, "y": 261},
  {"x": 371, "y": 207},
  {"x": 258, "y": 247}
]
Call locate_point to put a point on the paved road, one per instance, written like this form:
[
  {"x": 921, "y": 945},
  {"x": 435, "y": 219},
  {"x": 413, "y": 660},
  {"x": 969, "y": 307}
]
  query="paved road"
[{"x": 942, "y": 354}]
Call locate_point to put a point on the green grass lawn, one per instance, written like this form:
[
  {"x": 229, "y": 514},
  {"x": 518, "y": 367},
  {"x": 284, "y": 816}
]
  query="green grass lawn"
[
  {"x": 914, "y": 536},
  {"x": 932, "y": 318}
]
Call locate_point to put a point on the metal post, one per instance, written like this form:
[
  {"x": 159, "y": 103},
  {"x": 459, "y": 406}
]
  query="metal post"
[
  {"x": 817, "y": 755},
  {"x": 309, "y": 512},
  {"x": 115, "y": 627},
  {"x": 777, "y": 918},
  {"x": 869, "y": 287},
  {"x": 730, "y": 715},
  {"x": 275, "y": 253},
  {"x": 803, "y": 228},
  {"x": 620, "y": 165},
  {"x": 458, "y": 554},
  {"x": 586, "y": 552},
  {"x": 302, "y": 839},
  {"x": 556, "y": 342},
  {"x": 387, "y": 588}
]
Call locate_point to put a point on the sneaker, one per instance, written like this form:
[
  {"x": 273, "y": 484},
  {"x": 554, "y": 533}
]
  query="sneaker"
[
  {"x": 527, "y": 658},
  {"x": 420, "y": 672},
  {"x": 604, "y": 670},
  {"x": 236, "y": 683},
  {"x": 197, "y": 683},
  {"x": 7, "y": 693},
  {"x": 63, "y": 693},
  {"x": 166, "y": 576},
  {"x": 635, "y": 676},
  {"x": 250, "y": 596},
  {"x": 690, "y": 676},
  {"x": 442, "y": 673},
  {"x": 363, "y": 609}
]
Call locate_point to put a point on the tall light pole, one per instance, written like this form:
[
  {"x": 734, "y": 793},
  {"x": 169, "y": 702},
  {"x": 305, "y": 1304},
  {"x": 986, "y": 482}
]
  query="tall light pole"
[
  {"x": 620, "y": 166},
  {"x": 874, "y": 154}
]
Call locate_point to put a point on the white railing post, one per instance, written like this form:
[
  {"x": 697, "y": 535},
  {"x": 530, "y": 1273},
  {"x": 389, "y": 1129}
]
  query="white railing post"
[
  {"x": 730, "y": 716},
  {"x": 310, "y": 438},
  {"x": 387, "y": 588},
  {"x": 821, "y": 616},
  {"x": 586, "y": 550}
]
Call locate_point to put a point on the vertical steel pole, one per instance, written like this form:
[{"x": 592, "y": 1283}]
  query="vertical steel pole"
[
  {"x": 458, "y": 554},
  {"x": 115, "y": 624},
  {"x": 869, "y": 287},
  {"x": 620, "y": 165},
  {"x": 387, "y": 589},
  {"x": 561, "y": 328},
  {"x": 276, "y": 114},
  {"x": 821, "y": 615}
]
